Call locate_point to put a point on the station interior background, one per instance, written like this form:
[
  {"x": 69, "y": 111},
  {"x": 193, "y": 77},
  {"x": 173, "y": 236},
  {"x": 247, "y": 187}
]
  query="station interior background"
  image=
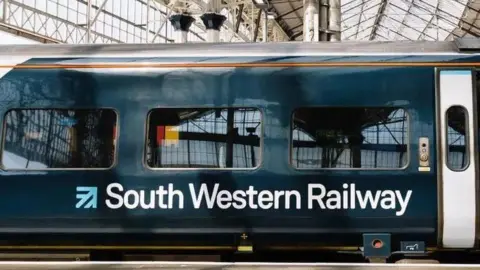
[{"x": 127, "y": 21}]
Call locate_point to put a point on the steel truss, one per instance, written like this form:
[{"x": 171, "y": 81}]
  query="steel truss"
[
  {"x": 127, "y": 21},
  {"x": 409, "y": 19}
]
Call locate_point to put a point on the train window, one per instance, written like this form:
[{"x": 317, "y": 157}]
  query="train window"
[
  {"x": 349, "y": 138},
  {"x": 224, "y": 138},
  {"x": 457, "y": 153},
  {"x": 59, "y": 139}
]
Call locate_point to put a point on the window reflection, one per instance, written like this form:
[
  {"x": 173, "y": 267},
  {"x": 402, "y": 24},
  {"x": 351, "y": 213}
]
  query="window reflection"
[
  {"x": 57, "y": 138},
  {"x": 349, "y": 138},
  {"x": 204, "y": 138},
  {"x": 457, "y": 157}
]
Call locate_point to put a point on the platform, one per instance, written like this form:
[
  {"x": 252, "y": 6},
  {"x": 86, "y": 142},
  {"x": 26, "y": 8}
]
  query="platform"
[{"x": 220, "y": 266}]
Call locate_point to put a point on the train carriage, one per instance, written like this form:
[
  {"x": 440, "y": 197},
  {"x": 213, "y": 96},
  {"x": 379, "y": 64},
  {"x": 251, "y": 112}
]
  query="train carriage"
[{"x": 240, "y": 147}]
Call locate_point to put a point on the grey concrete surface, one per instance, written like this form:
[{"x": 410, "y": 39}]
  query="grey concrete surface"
[{"x": 219, "y": 266}]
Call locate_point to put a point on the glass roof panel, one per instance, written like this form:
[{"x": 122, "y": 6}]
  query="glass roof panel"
[
  {"x": 436, "y": 33},
  {"x": 384, "y": 34},
  {"x": 360, "y": 18},
  {"x": 403, "y": 19}
]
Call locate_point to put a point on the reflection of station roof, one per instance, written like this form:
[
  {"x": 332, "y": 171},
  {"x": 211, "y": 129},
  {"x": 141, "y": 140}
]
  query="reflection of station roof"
[
  {"x": 169, "y": 57},
  {"x": 391, "y": 20},
  {"x": 178, "y": 52}
]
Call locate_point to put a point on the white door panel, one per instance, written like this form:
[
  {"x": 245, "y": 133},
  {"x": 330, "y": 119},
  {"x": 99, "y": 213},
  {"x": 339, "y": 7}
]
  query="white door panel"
[{"x": 458, "y": 187}]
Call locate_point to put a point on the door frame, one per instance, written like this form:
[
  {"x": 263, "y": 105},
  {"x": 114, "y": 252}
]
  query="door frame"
[{"x": 446, "y": 217}]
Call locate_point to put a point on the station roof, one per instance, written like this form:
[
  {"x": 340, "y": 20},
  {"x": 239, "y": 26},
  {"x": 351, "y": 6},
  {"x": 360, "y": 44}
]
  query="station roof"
[{"x": 392, "y": 19}]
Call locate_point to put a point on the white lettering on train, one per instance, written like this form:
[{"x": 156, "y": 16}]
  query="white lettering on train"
[
  {"x": 224, "y": 199},
  {"x": 132, "y": 198},
  {"x": 333, "y": 199},
  {"x": 203, "y": 196}
]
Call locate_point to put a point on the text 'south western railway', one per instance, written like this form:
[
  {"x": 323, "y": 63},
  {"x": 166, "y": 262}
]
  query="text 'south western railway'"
[{"x": 201, "y": 196}]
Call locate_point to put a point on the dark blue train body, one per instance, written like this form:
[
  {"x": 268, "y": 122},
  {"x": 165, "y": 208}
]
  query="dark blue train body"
[{"x": 38, "y": 207}]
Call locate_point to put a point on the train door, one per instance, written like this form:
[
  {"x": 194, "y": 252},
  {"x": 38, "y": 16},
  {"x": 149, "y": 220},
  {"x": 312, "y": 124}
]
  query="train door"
[{"x": 457, "y": 157}]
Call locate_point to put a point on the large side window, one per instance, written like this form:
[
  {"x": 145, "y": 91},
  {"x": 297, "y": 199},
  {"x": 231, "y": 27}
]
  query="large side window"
[
  {"x": 203, "y": 138},
  {"x": 59, "y": 139},
  {"x": 349, "y": 138},
  {"x": 457, "y": 154}
]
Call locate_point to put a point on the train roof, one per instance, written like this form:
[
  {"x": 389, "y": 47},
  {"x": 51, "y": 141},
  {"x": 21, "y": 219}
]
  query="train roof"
[{"x": 242, "y": 49}]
